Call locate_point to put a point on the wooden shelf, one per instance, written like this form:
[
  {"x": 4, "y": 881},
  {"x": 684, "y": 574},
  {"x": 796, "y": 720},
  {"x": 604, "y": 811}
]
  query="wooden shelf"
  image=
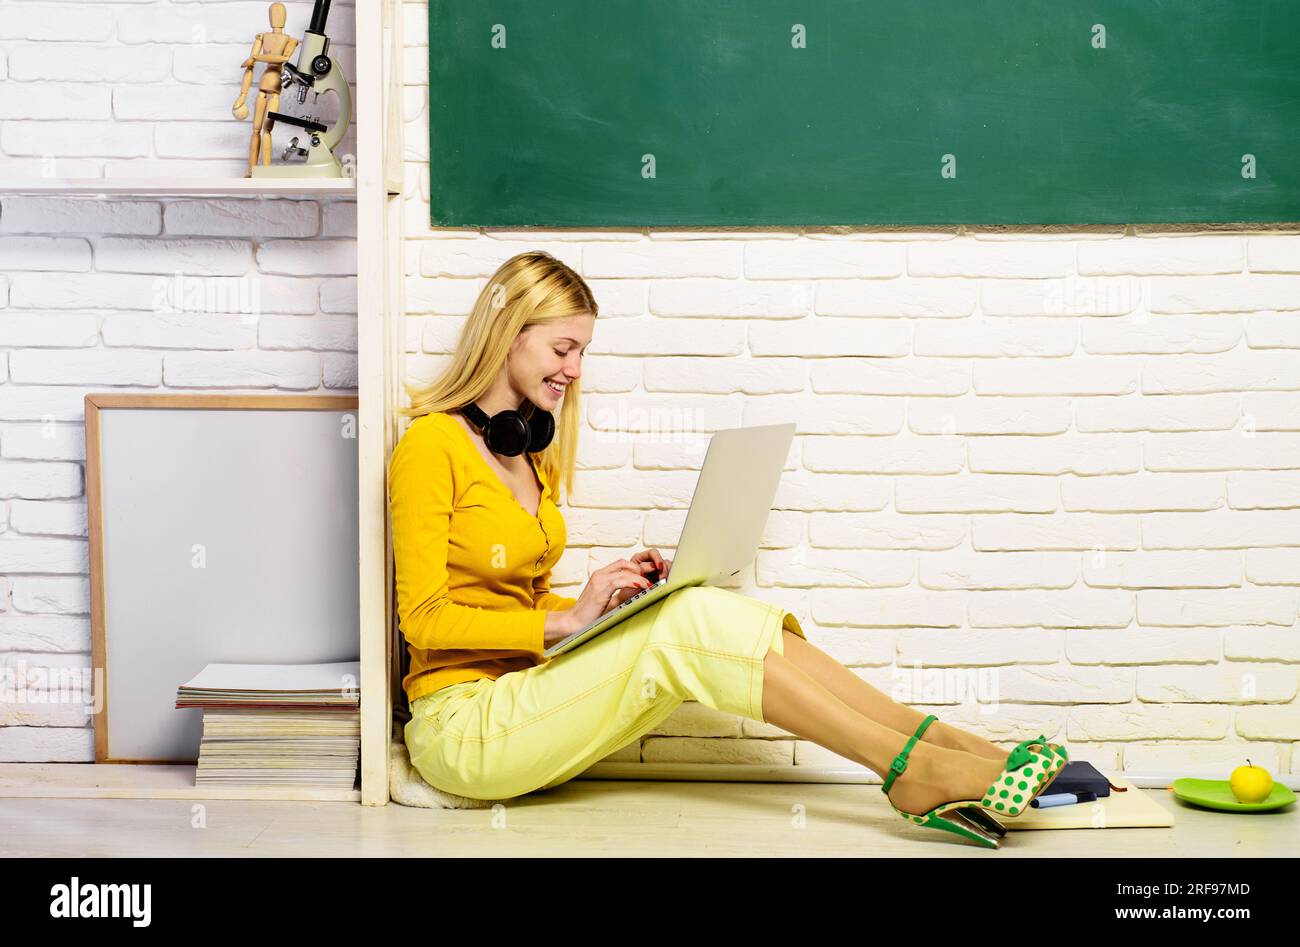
[
  {"x": 139, "y": 781},
  {"x": 228, "y": 187},
  {"x": 380, "y": 280}
]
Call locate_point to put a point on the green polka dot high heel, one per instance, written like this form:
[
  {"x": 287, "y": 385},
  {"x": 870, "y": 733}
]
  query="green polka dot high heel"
[
  {"x": 1062, "y": 757},
  {"x": 978, "y": 814},
  {"x": 1028, "y": 772},
  {"x": 1026, "y": 775}
]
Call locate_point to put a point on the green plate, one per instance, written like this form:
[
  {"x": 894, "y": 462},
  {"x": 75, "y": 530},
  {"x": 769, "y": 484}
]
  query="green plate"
[{"x": 1216, "y": 794}]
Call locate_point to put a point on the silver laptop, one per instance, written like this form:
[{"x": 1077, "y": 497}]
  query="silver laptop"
[{"x": 728, "y": 511}]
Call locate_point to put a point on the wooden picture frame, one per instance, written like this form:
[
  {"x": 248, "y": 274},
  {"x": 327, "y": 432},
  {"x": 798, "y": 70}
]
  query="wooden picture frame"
[{"x": 94, "y": 405}]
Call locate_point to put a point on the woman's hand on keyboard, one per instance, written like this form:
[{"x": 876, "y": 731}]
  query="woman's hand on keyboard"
[
  {"x": 603, "y": 589},
  {"x": 650, "y": 561},
  {"x": 653, "y": 566}
]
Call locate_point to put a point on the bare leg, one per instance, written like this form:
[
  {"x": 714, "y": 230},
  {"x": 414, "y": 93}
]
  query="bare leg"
[
  {"x": 879, "y": 706},
  {"x": 797, "y": 703}
]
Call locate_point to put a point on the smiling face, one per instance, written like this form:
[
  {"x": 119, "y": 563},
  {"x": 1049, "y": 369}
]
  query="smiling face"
[{"x": 547, "y": 357}]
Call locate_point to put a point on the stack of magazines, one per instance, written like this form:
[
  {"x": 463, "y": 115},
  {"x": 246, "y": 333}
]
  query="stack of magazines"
[{"x": 276, "y": 725}]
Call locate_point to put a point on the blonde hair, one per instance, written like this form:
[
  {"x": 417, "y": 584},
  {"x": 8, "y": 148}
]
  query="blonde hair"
[{"x": 528, "y": 289}]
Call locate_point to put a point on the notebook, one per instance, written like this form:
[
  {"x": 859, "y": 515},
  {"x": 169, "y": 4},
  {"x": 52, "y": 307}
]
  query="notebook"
[{"x": 729, "y": 508}]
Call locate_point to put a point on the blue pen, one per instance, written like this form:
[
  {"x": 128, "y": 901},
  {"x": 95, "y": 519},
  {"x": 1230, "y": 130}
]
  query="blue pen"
[
  {"x": 1063, "y": 799},
  {"x": 1057, "y": 799}
]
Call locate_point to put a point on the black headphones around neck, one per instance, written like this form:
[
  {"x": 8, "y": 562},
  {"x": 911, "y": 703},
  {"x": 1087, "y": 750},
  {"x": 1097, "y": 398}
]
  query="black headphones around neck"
[{"x": 510, "y": 433}]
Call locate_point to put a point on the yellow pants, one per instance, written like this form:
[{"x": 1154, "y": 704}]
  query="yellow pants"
[{"x": 537, "y": 728}]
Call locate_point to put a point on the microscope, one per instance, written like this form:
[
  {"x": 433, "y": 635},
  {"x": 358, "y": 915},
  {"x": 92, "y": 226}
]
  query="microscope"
[{"x": 315, "y": 74}]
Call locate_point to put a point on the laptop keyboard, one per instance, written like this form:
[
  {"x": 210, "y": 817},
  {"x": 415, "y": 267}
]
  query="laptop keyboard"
[
  {"x": 621, "y": 605},
  {"x": 638, "y": 595}
]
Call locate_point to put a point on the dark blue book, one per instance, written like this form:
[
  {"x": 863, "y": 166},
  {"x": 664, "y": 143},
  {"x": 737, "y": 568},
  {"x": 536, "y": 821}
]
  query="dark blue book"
[{"x": 1079, "y": 776}]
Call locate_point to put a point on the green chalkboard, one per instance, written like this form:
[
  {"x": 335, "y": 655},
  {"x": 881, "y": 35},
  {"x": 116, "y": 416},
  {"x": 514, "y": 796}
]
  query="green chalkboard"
[{"x": 581, "y": 113}]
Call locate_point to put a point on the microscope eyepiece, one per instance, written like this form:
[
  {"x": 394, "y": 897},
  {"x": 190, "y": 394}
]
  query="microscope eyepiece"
[{"x": 319, "y": 14}]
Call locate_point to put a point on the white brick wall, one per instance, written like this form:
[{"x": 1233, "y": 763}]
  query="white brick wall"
[
  {"x": 241, "y": 295},
  {"x": 1061, "y": 464}
]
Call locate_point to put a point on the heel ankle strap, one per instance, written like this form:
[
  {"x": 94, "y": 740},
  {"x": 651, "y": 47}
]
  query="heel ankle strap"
[{"x": 900, "y": 761}]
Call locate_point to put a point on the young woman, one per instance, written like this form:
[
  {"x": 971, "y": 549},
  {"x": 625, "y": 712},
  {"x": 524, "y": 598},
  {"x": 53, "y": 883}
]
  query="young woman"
[{"x": 476, "y": 533}]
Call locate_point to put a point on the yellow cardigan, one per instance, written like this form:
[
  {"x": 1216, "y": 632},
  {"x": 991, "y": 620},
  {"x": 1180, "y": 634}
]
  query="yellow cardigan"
[{"x": 473, "y": 568}]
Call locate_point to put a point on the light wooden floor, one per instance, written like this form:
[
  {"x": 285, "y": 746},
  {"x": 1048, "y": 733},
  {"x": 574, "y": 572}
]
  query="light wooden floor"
[{"x": 598, "y": 817}]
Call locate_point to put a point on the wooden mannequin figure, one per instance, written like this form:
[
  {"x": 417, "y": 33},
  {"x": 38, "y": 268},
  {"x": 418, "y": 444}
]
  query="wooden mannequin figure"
[{"x": 275, "y": 49}]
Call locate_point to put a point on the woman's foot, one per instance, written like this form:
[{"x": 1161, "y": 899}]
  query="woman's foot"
[
  {"x": 952, "y": 738},
  {"x": 956, "y": 739},
  {"x": 935, "y": 775}
]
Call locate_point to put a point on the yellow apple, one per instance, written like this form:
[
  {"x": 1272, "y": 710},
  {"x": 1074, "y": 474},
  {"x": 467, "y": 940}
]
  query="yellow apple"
[{"x": 1251, "y": 783}]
